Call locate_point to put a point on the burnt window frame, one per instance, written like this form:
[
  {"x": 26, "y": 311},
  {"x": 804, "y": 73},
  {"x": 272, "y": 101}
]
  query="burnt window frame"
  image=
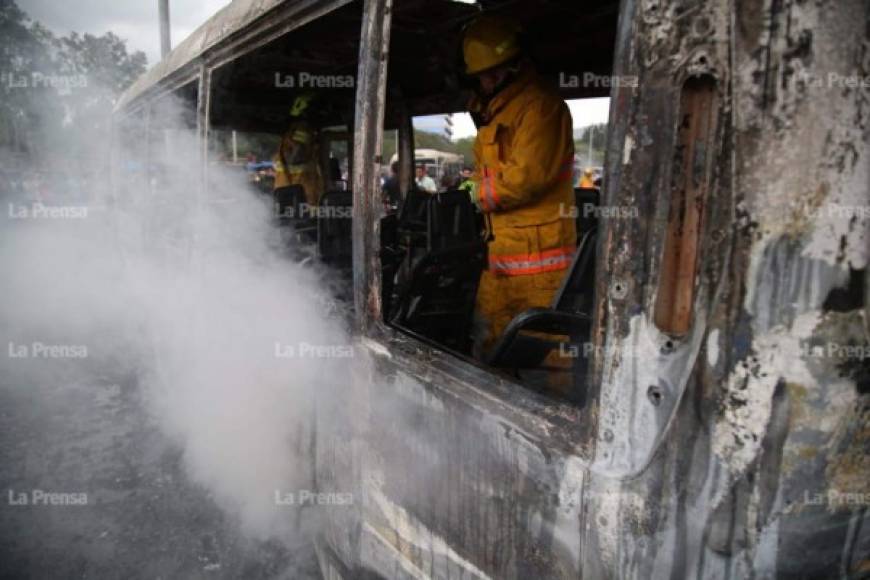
[{"x": 562, "y": 424}]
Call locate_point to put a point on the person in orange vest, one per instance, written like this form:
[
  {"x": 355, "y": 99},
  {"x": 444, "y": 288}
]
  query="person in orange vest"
[
  {"x": 297, "y": 161},
  {"x": 586, "y": 180},
  {"x": 523, "y": 181}
]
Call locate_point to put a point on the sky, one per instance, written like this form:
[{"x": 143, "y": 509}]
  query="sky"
[
  {"x": 136, "y": 22},
  {"x": 133, "y": 20}
]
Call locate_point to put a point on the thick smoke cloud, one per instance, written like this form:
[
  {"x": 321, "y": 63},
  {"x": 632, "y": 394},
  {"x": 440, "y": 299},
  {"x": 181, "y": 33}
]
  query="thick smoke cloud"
[{"x": 191, "y": 292}]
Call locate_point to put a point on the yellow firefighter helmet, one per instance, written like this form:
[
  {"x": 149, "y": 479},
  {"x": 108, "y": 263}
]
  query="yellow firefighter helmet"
[
  {"x": 301, "y": 105},
  {"x": 490, "y": 41}
]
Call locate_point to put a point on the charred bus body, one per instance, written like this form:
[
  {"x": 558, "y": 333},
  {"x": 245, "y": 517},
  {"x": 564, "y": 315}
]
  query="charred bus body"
[{"x": 719, "y": 423}]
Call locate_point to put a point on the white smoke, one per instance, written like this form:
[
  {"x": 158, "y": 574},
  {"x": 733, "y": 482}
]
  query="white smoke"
[{"x": 230, "y": 339}]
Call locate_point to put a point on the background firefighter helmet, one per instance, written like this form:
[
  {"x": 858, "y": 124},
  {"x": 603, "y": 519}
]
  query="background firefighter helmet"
[
  {"x": 301, "y": 106},
  {"x": 300, "y": 135},
  {"x": 490, "y": 41}
]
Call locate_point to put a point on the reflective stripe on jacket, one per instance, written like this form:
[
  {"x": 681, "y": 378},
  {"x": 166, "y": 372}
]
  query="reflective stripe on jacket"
[
  {"x": 522, "y": 264},
  {"x": 524, "y": 165}
]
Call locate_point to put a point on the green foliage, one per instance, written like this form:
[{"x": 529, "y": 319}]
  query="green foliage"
[
  {"x": 53, "y": 90},
  {"x": 103, "y": 59},
  {"x": 22, "y": 50},
  {"x": 465, "y": 147},
  {"x": 426, "y": 140}
]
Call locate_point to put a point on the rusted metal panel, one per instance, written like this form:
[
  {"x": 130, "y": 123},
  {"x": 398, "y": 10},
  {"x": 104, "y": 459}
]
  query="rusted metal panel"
[
  {"x": 406, "y": 153},
  {"x": 691, "y": 175},
  {"x": 368, "y": 138},
  {"x": 203, "y": 102},
  {"x": 455, "y": 489},
  {"x": 712, "y": 478},
  {"x": 270, "y": 27},
  {"x": 645, "y": 371},
  {"x": 716, "y": 454}
]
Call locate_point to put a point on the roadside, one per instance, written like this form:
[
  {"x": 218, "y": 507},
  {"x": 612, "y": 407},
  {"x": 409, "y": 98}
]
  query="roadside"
[{"x": 143, "y": 518}]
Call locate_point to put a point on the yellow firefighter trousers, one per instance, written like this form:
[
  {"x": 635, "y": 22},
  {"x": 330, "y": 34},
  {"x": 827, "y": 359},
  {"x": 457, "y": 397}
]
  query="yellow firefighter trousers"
[{"x": 500, "y": 298}]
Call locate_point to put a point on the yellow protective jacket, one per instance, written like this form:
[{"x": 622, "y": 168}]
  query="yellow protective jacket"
[
  {"x": 305, "y": 171},
  {"x": 524, "y": 167}
]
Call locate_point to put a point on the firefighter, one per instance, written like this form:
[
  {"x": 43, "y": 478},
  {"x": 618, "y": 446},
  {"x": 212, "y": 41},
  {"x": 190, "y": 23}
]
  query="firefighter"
[
  {"x": 297, "y": 161},
  {"x": 524, "y": 154},
  {"x": 465, "y": 179},
  {"x": 587, "y": 181}
]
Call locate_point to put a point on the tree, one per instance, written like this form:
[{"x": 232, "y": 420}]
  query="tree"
[
  {"x": 103, "y": 59},
  {"x": 56, "y": 90},
  {"x": 465, "y": 147},
  {"x": 22, "y": 50}
]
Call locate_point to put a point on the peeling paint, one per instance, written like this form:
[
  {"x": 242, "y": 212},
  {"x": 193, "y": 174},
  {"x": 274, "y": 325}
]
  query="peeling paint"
[
  {"x": 413, "y": 532},
  {"x": 713, "y": 348},
  {"x": 627, "y": 149}
]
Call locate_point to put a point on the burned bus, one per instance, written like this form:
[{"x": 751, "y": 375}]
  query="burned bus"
[{"x": 714, "y": 420}]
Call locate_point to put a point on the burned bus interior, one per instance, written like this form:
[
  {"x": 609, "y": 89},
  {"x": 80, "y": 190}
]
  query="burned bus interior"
[
  {"x": 432, "y": 251},
  {"x": 432, "y": 248},
  {"x": 254, "y": 93}
]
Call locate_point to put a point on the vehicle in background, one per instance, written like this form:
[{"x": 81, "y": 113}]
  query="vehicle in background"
[{"x": 439, "y": 164}]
